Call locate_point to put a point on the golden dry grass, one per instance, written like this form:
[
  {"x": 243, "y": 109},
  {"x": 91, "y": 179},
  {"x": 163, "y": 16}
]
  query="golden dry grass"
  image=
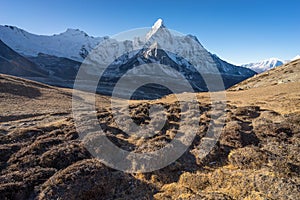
[{"x": 257, "y": 156}]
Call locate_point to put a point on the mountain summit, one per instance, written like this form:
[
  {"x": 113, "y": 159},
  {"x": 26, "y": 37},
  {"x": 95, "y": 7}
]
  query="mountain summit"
[
  {"x": 184, "y": 53},
  {"x": 158, "y": 25},
  {"x": 61, "y": 55}
]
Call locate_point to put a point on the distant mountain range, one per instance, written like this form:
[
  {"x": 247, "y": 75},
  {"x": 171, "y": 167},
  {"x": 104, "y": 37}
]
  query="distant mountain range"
[
  {"x": 268, "y": 64},
  {"x": 287, "y": 73},
  {"x": 57, "y": 58},
  {"x": 73, "y": 44},
  {"x": 264, "y": 65}
]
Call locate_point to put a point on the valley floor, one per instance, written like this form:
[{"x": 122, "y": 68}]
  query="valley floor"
[{"x": 256, "y": 156}]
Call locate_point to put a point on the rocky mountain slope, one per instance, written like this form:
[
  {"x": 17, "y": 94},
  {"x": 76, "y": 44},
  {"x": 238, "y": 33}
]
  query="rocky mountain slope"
[
  {"x": 14, "y": 64},
  {"x": 256, "y": 156}
]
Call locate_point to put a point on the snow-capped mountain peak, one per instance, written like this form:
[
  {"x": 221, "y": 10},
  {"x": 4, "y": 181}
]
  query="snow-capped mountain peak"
[
  {"x": 273, "y": 62},
  {"x": 265, "y": 64},
  {"x": 296, "y": 57},
  {"x": 158, "y": 25},
  {"x": 73, "y": 43},
  {"x": 114, "y": 57},
  {"x": 74, "y": 32}
]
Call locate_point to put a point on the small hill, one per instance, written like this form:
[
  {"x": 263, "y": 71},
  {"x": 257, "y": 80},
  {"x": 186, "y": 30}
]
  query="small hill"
[
  {"x": 22, "y": 98},
  {"x": 32, "y": 103}
]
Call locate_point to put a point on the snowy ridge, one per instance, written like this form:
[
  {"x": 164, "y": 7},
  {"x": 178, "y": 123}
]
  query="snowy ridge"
[
  {"x": 184, "y": 53},
  {"x": 76, "y": 45},
  {"x": 296, "y": 57},
  {"x": 58, "y": 55},
  {"x": 159, "y": 37},
  {"x": 73, "y": 44},
  {"x": 157, "y": 25},
  {"x": 265, "y": 65}
]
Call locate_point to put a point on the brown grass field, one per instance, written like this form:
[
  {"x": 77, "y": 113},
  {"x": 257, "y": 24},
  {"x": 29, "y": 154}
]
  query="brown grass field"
[{"x": 256, "y": 157}]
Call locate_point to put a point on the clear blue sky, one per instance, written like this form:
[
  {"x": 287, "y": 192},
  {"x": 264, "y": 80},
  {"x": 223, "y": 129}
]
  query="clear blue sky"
[{"x": 238, "y": 31}]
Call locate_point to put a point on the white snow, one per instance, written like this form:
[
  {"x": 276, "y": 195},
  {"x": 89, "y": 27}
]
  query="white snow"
[
  {"x": 73, "y": 42},
  {"x": 176, "y": 46},
  {"x": 68, "y": 44},
  {"x": 296, "y": 57},
  {"x": 157, "y": 25},
  {"x": 265, "y": 65}
]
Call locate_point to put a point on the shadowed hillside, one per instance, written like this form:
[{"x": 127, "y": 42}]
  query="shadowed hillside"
[{"x": 14, "y": 64}]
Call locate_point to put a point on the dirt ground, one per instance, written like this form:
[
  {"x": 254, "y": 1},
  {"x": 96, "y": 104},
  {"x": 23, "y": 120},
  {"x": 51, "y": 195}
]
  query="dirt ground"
[{"x": 256, "y": 156}]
